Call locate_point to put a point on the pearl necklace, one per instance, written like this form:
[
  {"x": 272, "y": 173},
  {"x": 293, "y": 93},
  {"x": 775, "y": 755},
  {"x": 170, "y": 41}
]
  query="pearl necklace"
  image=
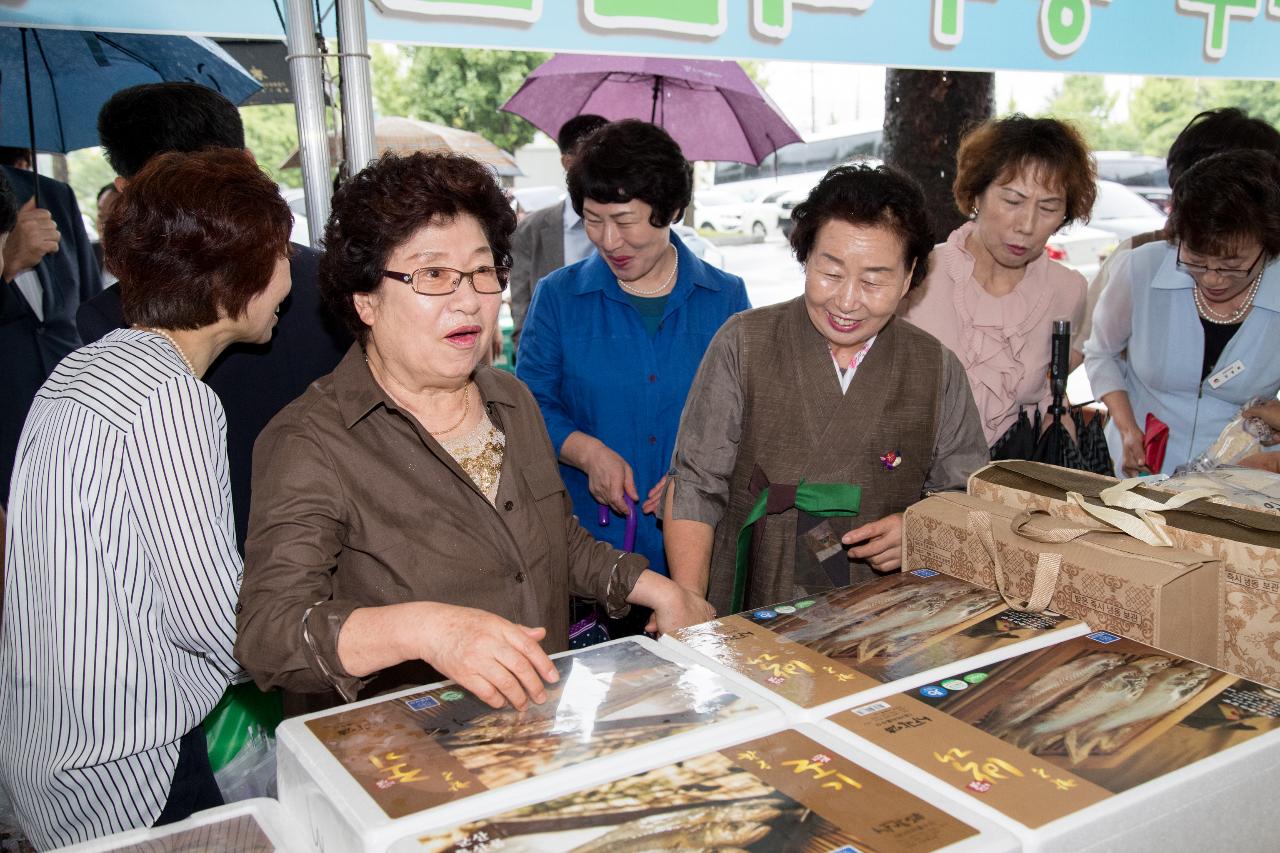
[
  {"x": 1235, "y": 316},
  {"x": 466, "y": 408},
  {"x": 634, "y": 292},
  {"x": 168, "y": 337}
]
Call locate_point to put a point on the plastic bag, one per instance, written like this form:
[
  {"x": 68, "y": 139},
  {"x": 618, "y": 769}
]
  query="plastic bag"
[
  {"x": 1240, "y": 438},
  {"x": 252, "y": 773},
  {"x": 239, "y": 733}
]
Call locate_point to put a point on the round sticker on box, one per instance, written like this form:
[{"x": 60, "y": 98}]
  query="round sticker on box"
[
  {"x": 801, "y": 605},
  {"x": 933, "y": 691},
  {"x": 976, "y": 677},
  {"x": 785, "y": 608},
  {"x": 764, "y": 614},
  {"x": 452, "y": 695},
  {"x": 955, "y": 684}
]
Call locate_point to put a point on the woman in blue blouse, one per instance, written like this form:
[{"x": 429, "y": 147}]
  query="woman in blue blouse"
[
  {"x": 1187, "y": 329},
  {"x": 611, "y": 343}
]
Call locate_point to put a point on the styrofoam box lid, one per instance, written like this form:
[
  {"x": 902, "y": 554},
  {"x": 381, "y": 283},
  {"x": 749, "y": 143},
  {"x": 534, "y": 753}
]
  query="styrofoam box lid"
[
  {"x": 578, "y": 694},
  {"x": 1224, "y": 801},
  {"x": 871, "y": 689},
  {"x": 249, "y": 826},
  {"x": 990, "y": 837}
]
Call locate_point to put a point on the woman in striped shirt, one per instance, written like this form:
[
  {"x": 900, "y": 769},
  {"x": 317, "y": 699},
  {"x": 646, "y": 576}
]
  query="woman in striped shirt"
[{"x": 122, "y": 571}]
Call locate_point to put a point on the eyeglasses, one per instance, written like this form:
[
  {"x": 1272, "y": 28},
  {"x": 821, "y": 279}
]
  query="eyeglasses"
[
  {"x": 1231, "y": 273},
  {"x": 441, "y": 281}
]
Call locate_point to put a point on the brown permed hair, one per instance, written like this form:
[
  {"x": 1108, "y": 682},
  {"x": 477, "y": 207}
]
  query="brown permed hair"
[{"x": 995, "y": 151}]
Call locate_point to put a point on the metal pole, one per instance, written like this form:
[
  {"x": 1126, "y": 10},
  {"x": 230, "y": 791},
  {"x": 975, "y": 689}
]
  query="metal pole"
[
  {"x": 357, "y": 93},
  {"x": 308, "y": 98}
]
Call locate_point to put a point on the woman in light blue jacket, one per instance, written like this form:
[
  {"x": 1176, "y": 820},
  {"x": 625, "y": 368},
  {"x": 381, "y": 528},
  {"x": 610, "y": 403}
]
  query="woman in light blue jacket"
[{"x": 1188, "y": 329}]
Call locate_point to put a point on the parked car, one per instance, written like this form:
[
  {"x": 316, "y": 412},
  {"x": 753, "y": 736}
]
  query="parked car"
[
  {"x": 761, "y": 217},
  {"x": 1081, "y": 247},
  {"x": 1124, "y": 212},
  {"x": 717, "y": 210},
  {"x": 1147, "y": 176}
]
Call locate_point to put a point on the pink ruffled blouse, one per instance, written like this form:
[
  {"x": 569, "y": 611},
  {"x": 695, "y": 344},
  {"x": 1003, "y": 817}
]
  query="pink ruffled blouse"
[{"x": 1002, "y": 341}]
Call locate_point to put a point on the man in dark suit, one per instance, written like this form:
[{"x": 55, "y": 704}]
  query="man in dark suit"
[
  {"x": 254, "y": 382},
  {"x": 49, "y": 270},
  {"x": 552, "y": 237}
]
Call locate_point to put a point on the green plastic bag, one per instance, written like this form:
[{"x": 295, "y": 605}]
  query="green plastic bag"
[{"x": 242, "y": 711}]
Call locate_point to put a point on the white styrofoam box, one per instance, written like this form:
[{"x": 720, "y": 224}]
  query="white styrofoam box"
[
  {"x": 438, "y": 771},
  {"x": 794, "y": 788},
  {"x": 810, "y": 685},
  {"x": 249, "y": 826},
  {"x": 1215, "y": 800}
]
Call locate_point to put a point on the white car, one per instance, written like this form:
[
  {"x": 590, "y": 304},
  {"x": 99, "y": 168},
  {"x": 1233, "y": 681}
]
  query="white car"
[
  {"x": 1081, "y": 247},
  {"x": 761, "y": 217},
  {"x": 717, "y": 210},
  {"x": 1123, "y": 212}
]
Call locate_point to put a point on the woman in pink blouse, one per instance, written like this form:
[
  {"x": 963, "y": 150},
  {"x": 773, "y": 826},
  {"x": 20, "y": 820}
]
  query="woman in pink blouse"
[{"x": 992, "y": 294}]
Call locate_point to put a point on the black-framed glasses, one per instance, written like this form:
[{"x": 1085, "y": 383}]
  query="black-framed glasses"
[
  {"x": 441, "y": 281},
  {"x": 1231, "y": 273}
]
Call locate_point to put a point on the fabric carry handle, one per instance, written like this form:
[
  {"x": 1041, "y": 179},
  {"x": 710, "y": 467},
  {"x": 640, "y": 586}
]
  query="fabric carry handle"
[
  {"x": 1142, "y": 524},
  {"x": 820, "y": 499},
  {"x": 1123, "y": 496},
  {"x": 1048, "y": 565}
]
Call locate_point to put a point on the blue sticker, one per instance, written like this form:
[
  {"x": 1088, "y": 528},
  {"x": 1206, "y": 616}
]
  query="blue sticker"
[
  {"x": 924, "y": 573},
  {"x": 846, "y": 849},
  {"x": 1102, "y": 637},
  {"x": 422, "y": 703},
  {"x": 764, "y": 614},
  {"x": 933, "y": 691}
]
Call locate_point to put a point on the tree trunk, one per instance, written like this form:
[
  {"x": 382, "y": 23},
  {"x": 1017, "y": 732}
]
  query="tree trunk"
[{"x": 926, "y": 114}]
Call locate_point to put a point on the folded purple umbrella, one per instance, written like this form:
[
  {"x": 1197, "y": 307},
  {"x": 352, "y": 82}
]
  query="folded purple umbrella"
[{"x": 711, "y": 107}]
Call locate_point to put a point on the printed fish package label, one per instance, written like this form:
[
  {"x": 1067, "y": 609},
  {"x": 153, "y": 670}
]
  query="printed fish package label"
[
  {"x": 362, "y": 775},
  {"x": 1095, "y": 740},
  {"x": 844, "y": 647},
  {"x": 1161, "y": 596},
  {"x": 1246, "y": 542},
  {"x": 797, "y": 789},
  {"x": 248, "y": 826}
]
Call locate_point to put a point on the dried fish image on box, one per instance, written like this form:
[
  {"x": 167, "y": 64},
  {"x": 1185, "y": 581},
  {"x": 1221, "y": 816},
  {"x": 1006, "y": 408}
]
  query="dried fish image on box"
[
  {"x": 727, "y": 801},
  {"x": 868, "y": 619},
  {"x": 444, "y": 744}
]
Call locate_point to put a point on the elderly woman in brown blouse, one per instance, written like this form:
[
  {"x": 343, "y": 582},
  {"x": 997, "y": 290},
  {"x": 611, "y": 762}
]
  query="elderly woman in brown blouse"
[{"x": 408, "y": 518}]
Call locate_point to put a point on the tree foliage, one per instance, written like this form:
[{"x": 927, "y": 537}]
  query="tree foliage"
[
  {"x": 459, "y": 87},
  {"x": 271, "y": 133}
]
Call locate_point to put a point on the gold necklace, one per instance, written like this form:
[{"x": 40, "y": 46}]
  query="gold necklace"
[
  {"x": 466, "y": 407},
  {"x": 634, "y": 292},
  {"x": 1235, "y": 316},
  {"x": 168, "y": 337}
]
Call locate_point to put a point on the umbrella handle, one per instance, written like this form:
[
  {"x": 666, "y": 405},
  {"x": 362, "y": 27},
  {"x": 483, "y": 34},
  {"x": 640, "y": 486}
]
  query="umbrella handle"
[{"x": 633, "y": 518}]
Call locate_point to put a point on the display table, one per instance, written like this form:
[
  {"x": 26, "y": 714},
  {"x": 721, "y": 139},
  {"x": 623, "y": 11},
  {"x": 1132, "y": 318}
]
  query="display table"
[
  {"x": 796, "y": 789},
  {"x": 821, "y": 654},
  {"x": 1096, "y": 743},
  {"x": 249, "y": 826},
  {"x": 370, "y": 775}
]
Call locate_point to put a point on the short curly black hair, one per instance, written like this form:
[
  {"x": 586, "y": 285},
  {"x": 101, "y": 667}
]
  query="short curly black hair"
[
  {"x": 1227, "y": 198},
  {"x": 380, "y": 208},
  {"x": 632, "y": 159},
  {"x": 1214, "y": 131},
  {"x": 868, "y": 195}
]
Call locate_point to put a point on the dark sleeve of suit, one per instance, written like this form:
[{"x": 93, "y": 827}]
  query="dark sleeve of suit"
[
  {"x": 523, "y": 274},
  {"x": 255, "y": 382},
  {"x": 100, "y": 315}
]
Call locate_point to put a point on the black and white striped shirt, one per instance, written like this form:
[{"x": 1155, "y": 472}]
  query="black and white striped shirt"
[{"x": 120, "y": 588}]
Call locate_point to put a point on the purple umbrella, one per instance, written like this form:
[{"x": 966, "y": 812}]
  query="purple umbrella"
[{"x": 711, "y": 107}]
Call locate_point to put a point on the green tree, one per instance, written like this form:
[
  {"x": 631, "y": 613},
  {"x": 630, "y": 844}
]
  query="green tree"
[
  {"x": 271, "y": 133},
  {"x": 1259, "y": 98},
  {"x": 1083, "y": 100},
  {"x": 1160, "y": 108},
  {"x": 459, "y": 87}
]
